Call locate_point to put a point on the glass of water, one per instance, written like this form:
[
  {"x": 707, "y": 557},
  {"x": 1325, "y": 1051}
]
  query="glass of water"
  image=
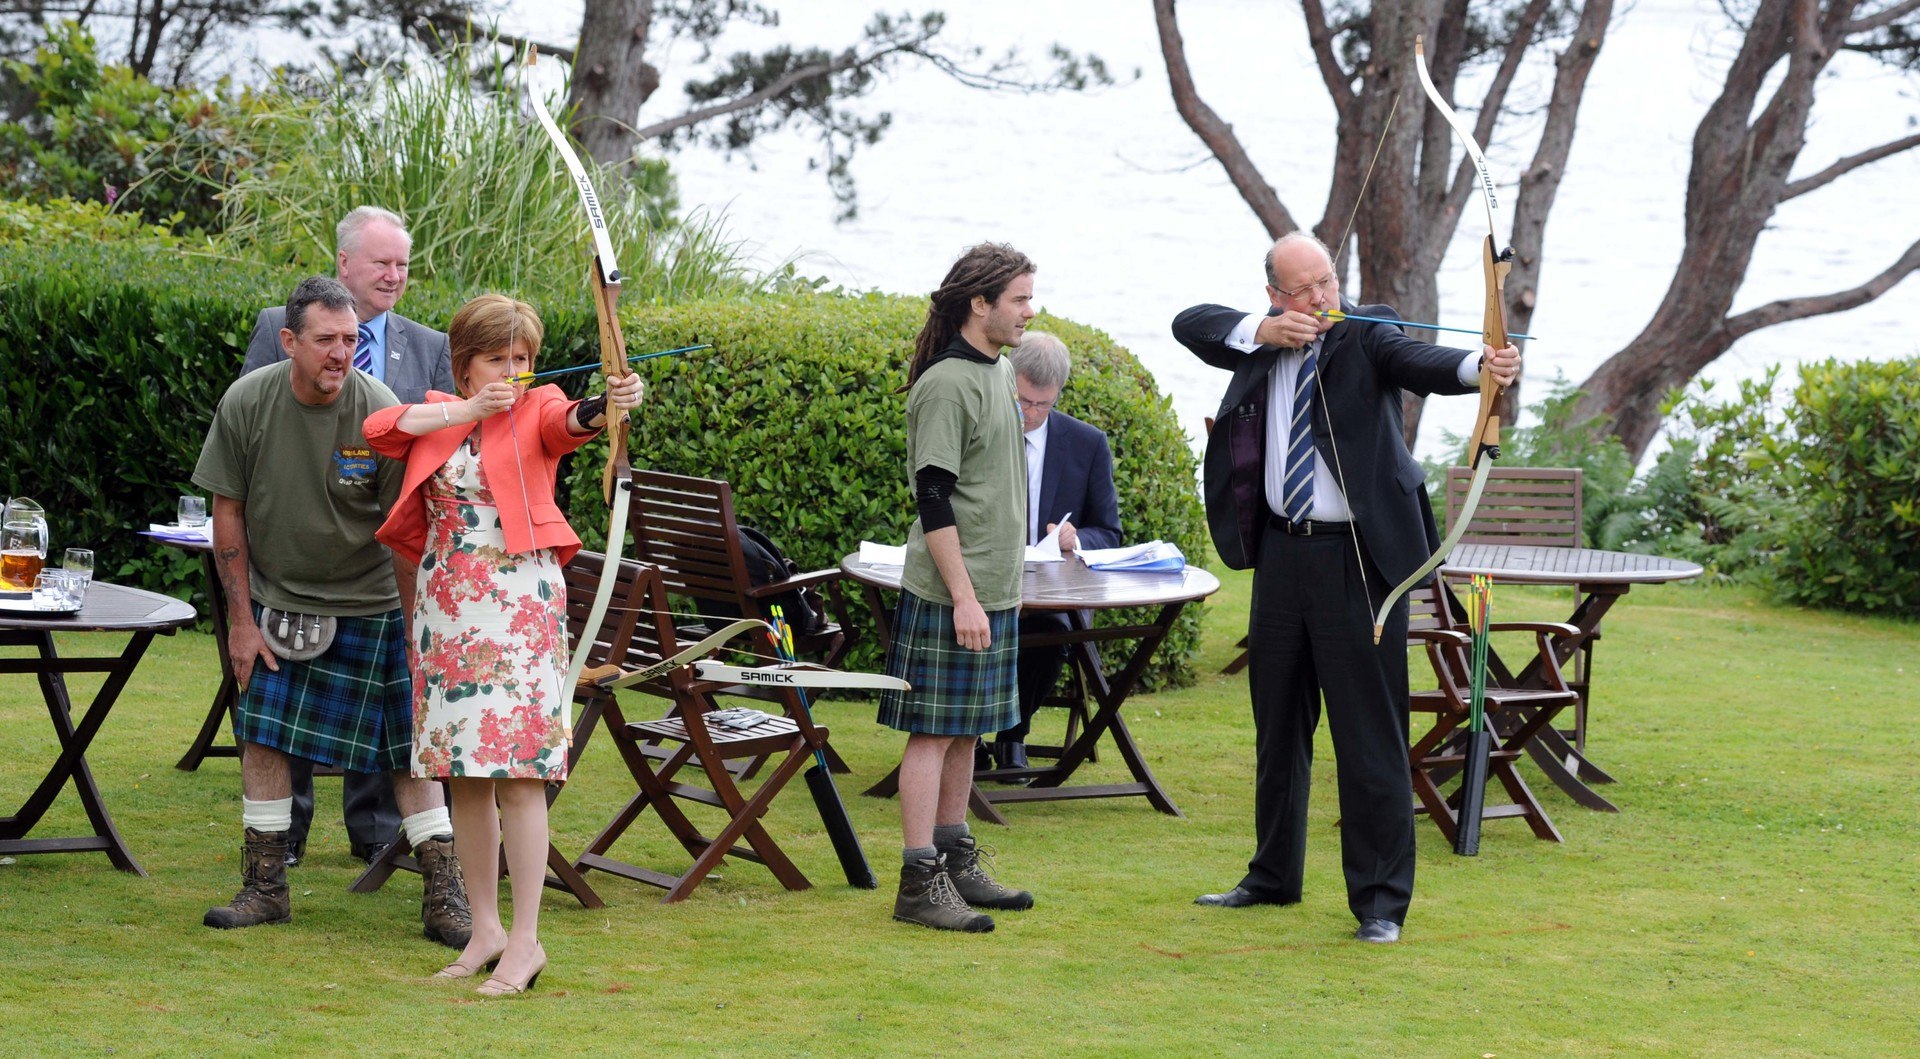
[
  {"x": 193, "y": 511},
  {"x": 56, "y": 590}
]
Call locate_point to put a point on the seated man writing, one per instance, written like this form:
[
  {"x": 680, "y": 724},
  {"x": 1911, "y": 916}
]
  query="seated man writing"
[{"x": 1069, "y": 485}]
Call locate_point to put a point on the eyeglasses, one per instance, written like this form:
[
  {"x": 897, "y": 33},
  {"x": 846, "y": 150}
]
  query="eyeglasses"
[
  {"x": 1038, "y": 406},
  {"x": 1325, "y": 284}
]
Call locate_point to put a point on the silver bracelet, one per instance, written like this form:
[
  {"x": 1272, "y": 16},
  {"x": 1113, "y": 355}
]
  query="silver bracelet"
[{"x": 444, "y": 415}]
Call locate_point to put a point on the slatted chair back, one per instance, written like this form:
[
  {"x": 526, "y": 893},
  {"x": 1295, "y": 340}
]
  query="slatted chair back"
[
  {"x": 1521, "y": 506},
  {"x": 686, "y": 527},
  {"x": 634, "y": 584}
]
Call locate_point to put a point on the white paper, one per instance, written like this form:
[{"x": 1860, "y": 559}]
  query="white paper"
[
  {"x": 203, "y": 532},
  {"x": 1153, "y": 555},
  {"x": 1048, "y": 550},
  {"x": 883, "y": 554}
]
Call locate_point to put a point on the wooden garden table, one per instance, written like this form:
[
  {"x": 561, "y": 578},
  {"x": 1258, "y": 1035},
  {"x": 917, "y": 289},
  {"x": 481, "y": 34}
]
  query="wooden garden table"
[
  {"x": 1600, "y": 579},
  {"x": 109, "y": 608}
]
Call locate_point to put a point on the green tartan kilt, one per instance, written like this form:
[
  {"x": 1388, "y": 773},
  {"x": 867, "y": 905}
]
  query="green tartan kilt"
[{"x": 955, "y": 691}]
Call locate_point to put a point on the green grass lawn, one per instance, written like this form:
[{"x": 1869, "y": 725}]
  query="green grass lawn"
[{"x": 1754, "y": 897}]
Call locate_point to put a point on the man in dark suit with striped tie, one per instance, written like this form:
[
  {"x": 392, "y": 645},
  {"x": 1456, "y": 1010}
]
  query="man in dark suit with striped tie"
[
  {"x": 1309, "y": 483},
  {"x": 372, "y": 250}
]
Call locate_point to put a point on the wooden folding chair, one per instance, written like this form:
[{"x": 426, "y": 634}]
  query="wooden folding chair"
[
  {"x": 1436, "y": 756},
  {"x": 1531, "y": 506},
  {"x": 686, "y": 527},
  {"x": 644, "y": 637}
]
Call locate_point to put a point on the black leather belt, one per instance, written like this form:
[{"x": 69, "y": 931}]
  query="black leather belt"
[{"x": 1306, "y": 527}]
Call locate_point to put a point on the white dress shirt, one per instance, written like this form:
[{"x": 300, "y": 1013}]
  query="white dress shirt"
[
  {"x": 1036, "y": 461},
  {"x": 1329, "y": 503}
]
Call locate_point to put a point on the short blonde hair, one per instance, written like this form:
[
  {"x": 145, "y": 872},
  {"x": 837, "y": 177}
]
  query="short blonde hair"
[{"x": 490, "y": 322}]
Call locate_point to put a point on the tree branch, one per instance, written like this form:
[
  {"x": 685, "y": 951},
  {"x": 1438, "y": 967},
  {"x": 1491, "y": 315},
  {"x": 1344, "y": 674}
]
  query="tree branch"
[
  {"x": 1215, "y": 133},
  {"x": 1338, "y": 81},
  {"x": 1788, "y": 309},
  {"x": 1880, "y": 19},
  {"x": 1848, "y": 164},
  {"x": 453, "y": 28},
  {"x": 846, "y": 61},
  {"x": 1467, "y": 177}
]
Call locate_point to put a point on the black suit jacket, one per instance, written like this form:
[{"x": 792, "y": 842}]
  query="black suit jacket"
[
  {"x": 1077, "y": 479},
  {"x": 1363, "y": 367},
  {"x": 418, "y": 357}
]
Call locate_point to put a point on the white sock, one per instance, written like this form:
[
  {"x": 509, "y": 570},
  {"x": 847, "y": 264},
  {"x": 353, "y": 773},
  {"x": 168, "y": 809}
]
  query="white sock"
[
  {"x": 267, "y": 817},
  {"x": 420, "y": 827}
]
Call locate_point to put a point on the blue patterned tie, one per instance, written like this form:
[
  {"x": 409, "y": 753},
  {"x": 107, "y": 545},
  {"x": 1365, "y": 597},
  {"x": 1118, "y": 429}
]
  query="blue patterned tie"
[
  {"x": 363, "y": 352},
  {"x": 1298, "y": 503}
]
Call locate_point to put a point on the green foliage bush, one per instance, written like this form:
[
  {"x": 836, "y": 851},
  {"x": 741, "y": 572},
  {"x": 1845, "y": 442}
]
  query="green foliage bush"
[
  {"x": 115, "y": 355},
  {"x": 1853, "y": 473},
  {"x": 101, "y": 133}
]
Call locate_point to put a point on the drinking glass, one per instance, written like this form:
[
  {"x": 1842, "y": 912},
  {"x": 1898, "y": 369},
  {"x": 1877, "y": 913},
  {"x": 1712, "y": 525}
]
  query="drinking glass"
[
  {"x": 193, "y": 511},
  {"x": 79, "y": 563},
  {"x": 54, "y": 590}
]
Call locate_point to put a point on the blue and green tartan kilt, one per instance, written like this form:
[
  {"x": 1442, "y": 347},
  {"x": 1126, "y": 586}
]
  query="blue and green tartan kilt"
[
  {"x": 352, "y": 707},
  {"x": 955, "y": 691}
]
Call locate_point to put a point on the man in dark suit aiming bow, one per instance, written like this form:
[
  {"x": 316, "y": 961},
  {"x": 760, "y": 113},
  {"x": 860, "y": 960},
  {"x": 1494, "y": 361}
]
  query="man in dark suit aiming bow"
[
  {"x": 1309, "y": 483},
  {"x": 372, "y": 253},
  {"x": 1069, "y": 486}
]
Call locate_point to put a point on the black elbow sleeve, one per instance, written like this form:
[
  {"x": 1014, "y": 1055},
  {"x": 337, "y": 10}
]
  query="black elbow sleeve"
[{"x": 933, "y": 495}]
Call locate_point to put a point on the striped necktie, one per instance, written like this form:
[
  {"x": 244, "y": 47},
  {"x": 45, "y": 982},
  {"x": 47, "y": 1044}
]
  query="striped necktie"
[
  {"x": 1298, "y": 503},
  {"x": 363, "y": 352}
]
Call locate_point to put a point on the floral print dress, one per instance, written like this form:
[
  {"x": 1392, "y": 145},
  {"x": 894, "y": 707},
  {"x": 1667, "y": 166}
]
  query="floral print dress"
[{"x": 490, "y": 641}]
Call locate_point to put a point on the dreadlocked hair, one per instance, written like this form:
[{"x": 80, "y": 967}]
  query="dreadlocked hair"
[{"x": 985, "y": 271}]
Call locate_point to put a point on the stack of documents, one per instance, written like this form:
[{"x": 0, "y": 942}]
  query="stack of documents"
[
  {"x": 1153, "y": 555},
  {"x": 202, "y": 533},
  {"x": 883, "y": 554}
]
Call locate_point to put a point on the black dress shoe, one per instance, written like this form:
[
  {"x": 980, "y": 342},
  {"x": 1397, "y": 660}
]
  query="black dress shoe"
[
  {"x": 295, "y": 850},
  {"x": 1378, "y": 931},
  {"x": 367, "y": 854},
  {"x": 982, "y": 756},
  {"x": 1238, "y": 897},
  {"x": 1009, "y": 755}
]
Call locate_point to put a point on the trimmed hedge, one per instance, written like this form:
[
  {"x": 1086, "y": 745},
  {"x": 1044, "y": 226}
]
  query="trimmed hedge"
[{"x": 115, "y": 356}]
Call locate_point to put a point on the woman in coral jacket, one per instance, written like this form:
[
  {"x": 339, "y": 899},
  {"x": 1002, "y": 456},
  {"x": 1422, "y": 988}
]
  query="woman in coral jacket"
[{"x": 487, "y": 642}]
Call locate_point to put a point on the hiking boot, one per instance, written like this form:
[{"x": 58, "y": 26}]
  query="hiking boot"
[
  {"x": 927, "y": 897},
  {"x": 263, "y": 896},
  {"x": 972, "y": 882},
  {"x": 444, "y": 911}
]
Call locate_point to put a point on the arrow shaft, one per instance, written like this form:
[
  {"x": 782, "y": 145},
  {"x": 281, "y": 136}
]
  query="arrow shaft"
[
  {"x": 530, "y": 376},
  {"x": 1335, "y": 314}
]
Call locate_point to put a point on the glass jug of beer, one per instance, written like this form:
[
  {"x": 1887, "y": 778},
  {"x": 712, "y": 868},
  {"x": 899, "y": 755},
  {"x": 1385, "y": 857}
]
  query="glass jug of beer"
[{"x": 23, "y": 544}]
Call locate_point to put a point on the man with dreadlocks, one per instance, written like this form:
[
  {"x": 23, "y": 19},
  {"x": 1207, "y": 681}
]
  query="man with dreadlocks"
[{"x": 956, "y": 635}]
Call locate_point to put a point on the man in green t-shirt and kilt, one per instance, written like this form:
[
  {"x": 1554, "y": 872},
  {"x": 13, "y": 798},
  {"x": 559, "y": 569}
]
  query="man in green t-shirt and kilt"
[
  {"x": 316, "y": 638},
  {"x": 956, "y": 635}
]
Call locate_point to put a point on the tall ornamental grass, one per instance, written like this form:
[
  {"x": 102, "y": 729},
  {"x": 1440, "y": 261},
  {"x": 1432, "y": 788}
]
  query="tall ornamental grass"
[{"x": 457, "y": 151}]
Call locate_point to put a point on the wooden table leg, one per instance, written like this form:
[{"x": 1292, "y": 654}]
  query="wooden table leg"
[
  {"x": 50, "y": 670},
  {"x": 1048, "y": 783},
  {"x": 227, "y": 698}
]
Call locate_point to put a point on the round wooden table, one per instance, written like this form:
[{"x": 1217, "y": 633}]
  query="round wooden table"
[
  {"x": 1072, "y": 587},
  {"x": 1600, "y": 577},
  {"x": 109, "y": 608}
]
